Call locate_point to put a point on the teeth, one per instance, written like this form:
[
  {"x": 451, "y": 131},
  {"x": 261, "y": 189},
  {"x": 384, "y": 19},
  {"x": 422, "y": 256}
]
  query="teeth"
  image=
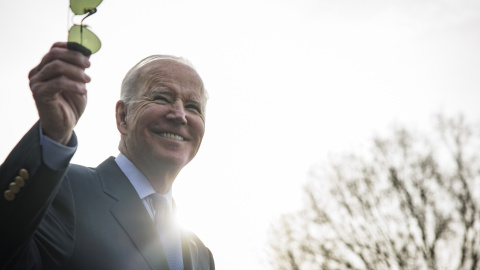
[{"x": 171, "y": 136}]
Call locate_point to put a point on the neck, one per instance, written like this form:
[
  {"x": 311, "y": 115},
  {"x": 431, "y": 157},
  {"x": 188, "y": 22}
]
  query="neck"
[
  {"x": 161, "y": 179},
  {"x": 161, "y": 176}
]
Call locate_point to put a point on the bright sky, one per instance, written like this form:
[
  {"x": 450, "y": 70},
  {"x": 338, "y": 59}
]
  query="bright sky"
[{"x": 290, "y": 83}]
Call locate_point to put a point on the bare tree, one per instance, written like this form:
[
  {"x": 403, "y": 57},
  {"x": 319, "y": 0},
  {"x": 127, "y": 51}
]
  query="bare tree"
[{"x": 412, "y": 202}]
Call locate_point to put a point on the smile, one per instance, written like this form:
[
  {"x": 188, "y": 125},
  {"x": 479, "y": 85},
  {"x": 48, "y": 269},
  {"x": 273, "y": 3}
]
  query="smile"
[{"x": 171, "y": 136}]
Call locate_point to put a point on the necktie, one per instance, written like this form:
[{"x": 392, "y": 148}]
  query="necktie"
[{"x": 168, "y": 232}]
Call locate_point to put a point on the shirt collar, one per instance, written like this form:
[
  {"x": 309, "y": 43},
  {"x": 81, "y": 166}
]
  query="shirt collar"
[{"x": 141, "y": 184}]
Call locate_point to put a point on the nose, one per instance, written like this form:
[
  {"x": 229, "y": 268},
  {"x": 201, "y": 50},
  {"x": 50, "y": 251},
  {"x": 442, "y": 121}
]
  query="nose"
[{"x": 177, "y": 113}]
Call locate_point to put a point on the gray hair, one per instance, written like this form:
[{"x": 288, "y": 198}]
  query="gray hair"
[{"x": 130, "y": 82}]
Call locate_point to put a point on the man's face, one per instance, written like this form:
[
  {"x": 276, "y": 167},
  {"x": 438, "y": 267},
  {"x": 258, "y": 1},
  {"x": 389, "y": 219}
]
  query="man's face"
[{"x": 165, "y": 121}]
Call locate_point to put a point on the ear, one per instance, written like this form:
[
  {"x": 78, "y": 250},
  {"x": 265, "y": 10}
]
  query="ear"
[{"x": 121, "y": 117}]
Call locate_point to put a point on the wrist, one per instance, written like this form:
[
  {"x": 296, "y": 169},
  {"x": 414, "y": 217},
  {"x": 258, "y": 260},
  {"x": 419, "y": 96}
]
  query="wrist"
[{"x": 61, "y": 138}]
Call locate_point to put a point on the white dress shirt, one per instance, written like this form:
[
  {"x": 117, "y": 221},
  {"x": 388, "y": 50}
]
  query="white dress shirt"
[{"x": 141, "y": 183}]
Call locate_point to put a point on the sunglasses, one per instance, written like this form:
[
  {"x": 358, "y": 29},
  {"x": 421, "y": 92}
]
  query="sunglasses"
[{"x": 80, "y": 38}]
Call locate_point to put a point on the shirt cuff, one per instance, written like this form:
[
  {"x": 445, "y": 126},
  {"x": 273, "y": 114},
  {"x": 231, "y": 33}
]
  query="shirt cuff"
[{"x": 55, "y": 155}]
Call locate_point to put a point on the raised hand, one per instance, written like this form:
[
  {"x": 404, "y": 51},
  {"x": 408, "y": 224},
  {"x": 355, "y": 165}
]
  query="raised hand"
[{"x": 58, "y": 87}]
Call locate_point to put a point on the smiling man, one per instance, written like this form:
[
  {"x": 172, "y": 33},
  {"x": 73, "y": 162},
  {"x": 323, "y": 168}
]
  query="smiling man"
[
  {"x": 56, "y": 215},
  {"x": 162, "y": 123}
]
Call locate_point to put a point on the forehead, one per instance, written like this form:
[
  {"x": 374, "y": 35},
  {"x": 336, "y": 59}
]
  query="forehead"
[{"x": 172, "y": 75}]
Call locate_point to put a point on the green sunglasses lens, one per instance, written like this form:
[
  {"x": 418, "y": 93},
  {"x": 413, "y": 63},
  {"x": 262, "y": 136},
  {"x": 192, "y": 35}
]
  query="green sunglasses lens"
[
  {"x": 80, "y": 7},
  {"x": 81, "y": 35}
]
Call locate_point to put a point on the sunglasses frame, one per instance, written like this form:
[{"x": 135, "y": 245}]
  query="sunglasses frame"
[{"x": 76, "y": 42}]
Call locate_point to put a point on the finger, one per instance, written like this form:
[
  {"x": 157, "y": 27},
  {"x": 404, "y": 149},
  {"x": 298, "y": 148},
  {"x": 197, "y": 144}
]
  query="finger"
[
  {"x": 59, "y": 45},
  {"x": 59, "y": 51},
  {"x": 58, "y": 68},
  {"x": 72, "y": 57},
  {"x": 64, "y": 45},
  {"x": 45, "y": 91},
  {"x": 62, "y": 54}
]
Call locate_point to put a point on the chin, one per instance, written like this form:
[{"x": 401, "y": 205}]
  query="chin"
[{"x": 173, "y": 161}]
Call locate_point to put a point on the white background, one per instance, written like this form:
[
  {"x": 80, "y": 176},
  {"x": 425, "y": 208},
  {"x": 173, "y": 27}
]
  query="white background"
[{"x": 290, "y": 83}]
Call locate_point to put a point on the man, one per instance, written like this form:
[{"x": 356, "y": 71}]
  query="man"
[{"x": 55, "y": 215}]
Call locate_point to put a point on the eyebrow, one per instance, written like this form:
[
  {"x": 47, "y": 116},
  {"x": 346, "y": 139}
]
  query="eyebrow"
[
  {"x": 158, "y": 91},
  {"x": 196, "y": 102}
]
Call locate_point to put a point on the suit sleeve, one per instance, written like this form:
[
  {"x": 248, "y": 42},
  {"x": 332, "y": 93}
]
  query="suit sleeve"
[{"x": 28, "y": 187}]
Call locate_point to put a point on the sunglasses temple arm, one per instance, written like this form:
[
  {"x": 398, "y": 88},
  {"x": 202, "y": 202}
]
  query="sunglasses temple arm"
[{"x": 91, "y": 12}]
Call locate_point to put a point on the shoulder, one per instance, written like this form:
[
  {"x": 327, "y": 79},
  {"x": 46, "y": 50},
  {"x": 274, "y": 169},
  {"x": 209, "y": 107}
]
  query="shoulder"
[
  {"x": 195, "y": 245},
  {"x": 75, "y": 170},
  {"x": 193, "y": 238},
  {"x": 79, "y": 170}
]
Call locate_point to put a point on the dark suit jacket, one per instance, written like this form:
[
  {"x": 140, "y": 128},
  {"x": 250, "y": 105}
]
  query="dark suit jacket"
[{"x": 79, "y": 218}]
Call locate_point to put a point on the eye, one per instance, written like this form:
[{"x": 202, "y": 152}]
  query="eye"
[
  {"x": 193, "y": 107},
  {"x": 161, "y": 99}
]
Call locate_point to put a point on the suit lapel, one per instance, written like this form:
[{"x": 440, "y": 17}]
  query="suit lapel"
[
  {"x": 132, "y": 215},
  {"x": 189, "y": 254}
]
